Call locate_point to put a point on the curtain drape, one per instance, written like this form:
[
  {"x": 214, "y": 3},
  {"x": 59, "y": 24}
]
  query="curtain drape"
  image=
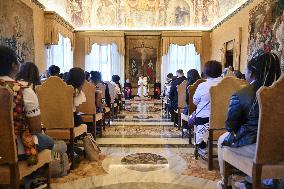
[
  {"x": 180, "y": 57},
  {"x": 60, "y": 55},
  {"x": 107, "y": 60}
]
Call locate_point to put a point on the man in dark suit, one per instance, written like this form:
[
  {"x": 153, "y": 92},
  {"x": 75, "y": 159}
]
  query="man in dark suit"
[{"x": 173, "y": 96}]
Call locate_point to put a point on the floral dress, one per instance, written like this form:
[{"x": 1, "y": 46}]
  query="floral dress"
[{"x": 21, "y": 128}]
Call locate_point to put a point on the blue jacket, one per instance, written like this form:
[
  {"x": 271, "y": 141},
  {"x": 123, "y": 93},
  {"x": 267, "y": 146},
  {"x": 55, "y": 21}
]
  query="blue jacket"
[{"x": 242, "y": 117}]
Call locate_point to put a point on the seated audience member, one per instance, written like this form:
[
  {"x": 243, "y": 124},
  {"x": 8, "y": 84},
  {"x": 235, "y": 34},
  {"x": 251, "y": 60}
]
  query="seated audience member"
[
  {"x": 96, "y": 78},
  {"x": 27, "y": 124},
  {"x": 127, "y": 89},
  {"x": 61, "y": 75},
  {"x": 53, "y": 71},
  {"x": 65, "y": 76},
  {"x": 173, "y": 95},
  {"x": 44, "y": 76},
  {"x": 115, "y": 81},
  {"x": 28, "y": 75},
  {"x": 243, "y": 111},
  {"x": 157, "y": 89},
  {"x": 201, "y": 98},
  {"x": 76, "y": 78},
  {"x": 167, "y": 85},
  {"x": 228, "y": 71},
  {"x": 239, "y": 74},
  {"x": 87, "y": 76},
  {"x": 192, "y": 77}
]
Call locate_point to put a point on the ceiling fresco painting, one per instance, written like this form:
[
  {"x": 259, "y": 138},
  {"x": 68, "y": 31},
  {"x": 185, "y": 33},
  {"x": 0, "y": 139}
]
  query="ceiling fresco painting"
[{"x": 143, "y": 14}]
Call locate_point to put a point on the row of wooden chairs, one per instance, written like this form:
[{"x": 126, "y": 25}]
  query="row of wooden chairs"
[
  {"x": 56, "y": 104},
  {"x": 252, "y": 160},
  {"x": 220, "y": 98},
  {"x": 265, "y": 159}
]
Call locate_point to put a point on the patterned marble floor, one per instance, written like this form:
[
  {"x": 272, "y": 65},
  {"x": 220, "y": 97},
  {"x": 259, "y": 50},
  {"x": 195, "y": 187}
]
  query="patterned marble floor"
[{"x": 143, "y": 150}]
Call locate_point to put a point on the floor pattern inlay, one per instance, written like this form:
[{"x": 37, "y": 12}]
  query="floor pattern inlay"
[{"x": 144, "y": 162}]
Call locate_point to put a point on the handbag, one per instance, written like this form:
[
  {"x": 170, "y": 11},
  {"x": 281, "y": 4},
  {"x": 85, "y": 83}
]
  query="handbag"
[
  {"x": 91, "y": 148},
  {"x": 59, "y": 165},
  {"x": 192, "y": 117}
]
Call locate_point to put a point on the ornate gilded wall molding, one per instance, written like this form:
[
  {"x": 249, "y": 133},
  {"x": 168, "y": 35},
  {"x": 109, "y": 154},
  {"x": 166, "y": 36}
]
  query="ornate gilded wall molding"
[
  {"x": 232, "y": 14},
  {"x": 37, "y": 3},
  {"x": 55, "y": 24}
]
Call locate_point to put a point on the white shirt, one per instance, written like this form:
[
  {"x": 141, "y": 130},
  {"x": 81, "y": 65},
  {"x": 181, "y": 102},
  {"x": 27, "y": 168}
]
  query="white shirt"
[
  {"x": 31, "y": 104},
  {"x": 79, "y": 99},
  {"x": 116, "y": 88},
  {"x": 202, "y": 96}
]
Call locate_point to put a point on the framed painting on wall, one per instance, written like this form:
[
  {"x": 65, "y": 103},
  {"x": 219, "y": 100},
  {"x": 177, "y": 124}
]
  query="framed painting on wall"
[{"x": 142, "y": 58}]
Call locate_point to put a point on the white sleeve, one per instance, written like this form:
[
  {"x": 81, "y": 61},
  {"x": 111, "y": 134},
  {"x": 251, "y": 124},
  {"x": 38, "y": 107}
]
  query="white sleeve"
[
  {"x": 31, "y": 103},
  {"x": 197, "y": 96}
]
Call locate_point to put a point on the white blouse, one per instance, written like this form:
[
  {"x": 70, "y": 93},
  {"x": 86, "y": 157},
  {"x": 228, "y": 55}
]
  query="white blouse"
[
  {"x": 79, "y": 99},
  {"x": 202, "y": 97}
]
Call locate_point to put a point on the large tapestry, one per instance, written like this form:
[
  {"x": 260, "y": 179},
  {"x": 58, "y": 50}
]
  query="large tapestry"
[
  {"x": 142, "y": 58},
  {"x": 16, "y": 28},
  {"x": 137, "y": 14},
  {"x": 267, "y": 29}
]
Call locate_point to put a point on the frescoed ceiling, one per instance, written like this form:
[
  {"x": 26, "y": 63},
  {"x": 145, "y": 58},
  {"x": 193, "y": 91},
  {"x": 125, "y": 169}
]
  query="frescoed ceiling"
[{"x": 143, "y": 14}]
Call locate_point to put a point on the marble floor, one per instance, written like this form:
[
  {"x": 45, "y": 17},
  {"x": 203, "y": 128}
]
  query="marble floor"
[{"x": 141, "y": 150}]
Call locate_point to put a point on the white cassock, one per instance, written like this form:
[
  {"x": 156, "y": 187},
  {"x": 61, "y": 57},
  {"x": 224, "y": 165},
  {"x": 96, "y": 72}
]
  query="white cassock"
[
  {"x": 145, "y": 86},
  {"x": 140, "y": 87}
]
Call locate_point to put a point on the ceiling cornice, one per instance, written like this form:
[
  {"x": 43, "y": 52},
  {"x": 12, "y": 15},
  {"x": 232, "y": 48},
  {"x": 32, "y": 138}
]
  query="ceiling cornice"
[
  {"x": 39, "y": 4},
  {"x": 232, "y": 14}
]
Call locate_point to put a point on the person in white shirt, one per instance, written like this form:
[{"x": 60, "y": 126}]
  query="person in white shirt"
[
  {"x": 76, "y": 78},
  {"x": 201, "y": 98},
  {"x": 117, "y": 88}
]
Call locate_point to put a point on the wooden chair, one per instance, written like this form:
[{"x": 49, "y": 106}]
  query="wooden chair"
[
  {"x": 56, "y": 105},
  {"x": 13, "y": 171},
  {"x": 181, "y": 89},
  {"x": 265, "y": 159},
  {"x": 191, "y": 106},
  {"x": 220, "y": 98},
  {"x": 88, "y": 108}
]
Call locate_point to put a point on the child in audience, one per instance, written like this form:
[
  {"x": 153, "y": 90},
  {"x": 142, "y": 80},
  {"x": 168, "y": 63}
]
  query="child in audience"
[
  {"x": 243, "y": 112},
  {"x": 27, "y": 124},
  {"x": 201, "y": 98},
  {"x": 76, "y": 78}
]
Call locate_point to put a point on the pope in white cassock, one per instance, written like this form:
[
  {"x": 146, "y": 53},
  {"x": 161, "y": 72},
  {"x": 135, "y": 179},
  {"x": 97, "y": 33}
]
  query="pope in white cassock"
[{"x": 143, "y": 86}]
